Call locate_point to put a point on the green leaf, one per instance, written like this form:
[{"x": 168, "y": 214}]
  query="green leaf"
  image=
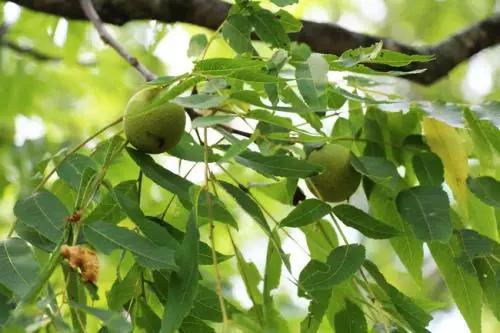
[
  {"x": 113, "y": 321},
  {"x": 199, "y": 101},
  {"x": 428, "y": 168},
  {"x": 146, "y": 318},
  {"x": 248, "y": 204},
  {"x": 379, "y": 170},
  {"x": 71, "y": 169},
  {"x": 350, "y": 319},
  {"x": 340, "y": 265},
  {"x": 427, "y": 210},
  {"x": 476, "y": 245},
  {"x": 236, "y": 148},
  {"x": 122, "y": 291},
  {"x": 283, "y": 165},
  {"x": 397, "y": 59},
  {"x": 108, "y": 209},
  {"x": 486, "y": 188},
  {"x": 236, "y": 31},
  {"x": 85, "y": 190},
  {"x": 488, "y": 271},
  {"x": 196, "y": 45},
  {"x": 312, "y": 80},
  {"x": 253, "y": 76},
  {"x": 190, "y": 150},
  {"x": 210, "y": 121},
  {"x": 364, "y": 223},
  {"x": 417, "y": 318},
  {"x": 203, "y": 305},
  {"x": 283, "y": 3},
  {"x": 307, "y": 212},
  {"x": 227, "y": 66},
  {"x": 43, "y": 212},
  {"x": 407, "y": 247},
  {"x": 107, "y": 237},
  {"x": 18, "y": 267},
  {"x": 194, "y": 325},
  {"x": 268, "y": 117},
  {"x": 204, "y": 250},
  {"x": 317, "y": 309},
  {"x": 321, "y": 239},
  {"x": 182, "y": 285},
  {"x": 180, "y": 187},
  {"x": 463, "y": 285},
  {"x": 288, "y": 21},
  {"x": 362, "y": 54},
  {"x": 269, "y": 29},
  {"x": 153, "y": 231},
  {"x": 251, "y": 277}
]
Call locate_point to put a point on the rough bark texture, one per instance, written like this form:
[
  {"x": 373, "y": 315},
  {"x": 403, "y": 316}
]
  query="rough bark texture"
[{"x": 322, "y": 37}]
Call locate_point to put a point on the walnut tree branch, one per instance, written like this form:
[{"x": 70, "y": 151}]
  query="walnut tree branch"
[
  {"x": 322, "y": 37},
  {"x": 91, "y": 14}
]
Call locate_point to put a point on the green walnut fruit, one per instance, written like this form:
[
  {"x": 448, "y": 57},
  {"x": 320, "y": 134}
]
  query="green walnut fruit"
[
  {"x": 153, "y": 129},
  {"x": 339, "y": 180}
]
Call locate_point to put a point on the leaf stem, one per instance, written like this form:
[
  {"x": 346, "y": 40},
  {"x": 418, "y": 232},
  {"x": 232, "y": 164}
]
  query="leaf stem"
[{"x": 218, "y": 282}]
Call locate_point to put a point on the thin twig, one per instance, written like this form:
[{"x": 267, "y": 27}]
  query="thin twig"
[
  {"x": 218, "y": 281},
  {"x": 91, "y": 13}
]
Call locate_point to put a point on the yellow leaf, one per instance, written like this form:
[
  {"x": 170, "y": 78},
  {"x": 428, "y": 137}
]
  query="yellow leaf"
[{"x": 446, "y": 142}]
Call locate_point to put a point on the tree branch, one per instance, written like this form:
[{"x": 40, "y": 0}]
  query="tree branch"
[
  {"x": 322, "y": 37},
  {"x": 91, "y": 14}
]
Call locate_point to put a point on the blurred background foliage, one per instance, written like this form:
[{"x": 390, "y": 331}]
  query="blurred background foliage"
[{"x": 49, "y": 105}]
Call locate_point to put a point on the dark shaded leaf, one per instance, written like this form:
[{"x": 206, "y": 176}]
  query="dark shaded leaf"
[
  {"x": 285, "y": 166},
  {"x": 340, "y": 265},
  {"x": 107, "y": 237},
  {"x": 43, "y": 212},
  {"x": 427, "y": 210},
  {"x": 364, "y": 223},
  {"x": 350, "y": 319},
  {"x": 486, "y": 188},
  {"x": 428, "y": 168},
  {"x": 182, "y": 285},
  {"x": 417, "y": 318},
  {"x": 18, "y": 267},
  {"x": 307, "y": 212}
]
